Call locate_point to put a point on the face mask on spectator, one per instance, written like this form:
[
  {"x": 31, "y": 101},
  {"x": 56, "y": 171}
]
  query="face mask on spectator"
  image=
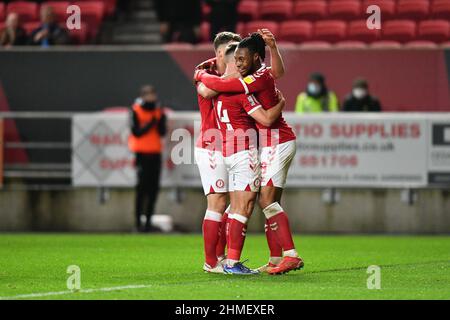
[
  {"x": 359, "y": 93},
  {"x": 313, "y": 88},
  {"x": 149, "y": 105}
]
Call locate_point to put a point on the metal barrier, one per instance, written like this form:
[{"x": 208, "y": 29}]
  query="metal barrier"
[{"x": 44, "y": 137}]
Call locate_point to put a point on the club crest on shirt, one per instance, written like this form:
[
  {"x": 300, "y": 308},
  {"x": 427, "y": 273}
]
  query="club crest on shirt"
[
  {"x": 249, "y": 79},
  {"x": 220, "y": 183}
]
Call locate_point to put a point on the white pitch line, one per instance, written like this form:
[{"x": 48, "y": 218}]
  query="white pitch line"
[{"x": 59, "y": 293}]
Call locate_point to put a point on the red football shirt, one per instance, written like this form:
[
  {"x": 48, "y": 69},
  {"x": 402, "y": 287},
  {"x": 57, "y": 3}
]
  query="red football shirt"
[
  {"x": 262, "y": 85},
  {"x": 235, "y": 123},
  {"x": 208, "y": 121}
]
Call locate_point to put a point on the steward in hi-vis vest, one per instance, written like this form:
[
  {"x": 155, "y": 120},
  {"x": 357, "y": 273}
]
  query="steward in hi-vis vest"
[{"x": 148, "y": 126}]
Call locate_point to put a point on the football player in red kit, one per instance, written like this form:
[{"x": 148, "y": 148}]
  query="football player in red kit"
[
  {"x": 212, "y": 177},
  {"x": 277, "y": 148},
  {"x": 213, "y": 173},
  {"x": 236, "y": 115}
]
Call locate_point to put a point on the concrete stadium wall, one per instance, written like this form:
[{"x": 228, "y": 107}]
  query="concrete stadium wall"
[{"x": 358, "y": 211}]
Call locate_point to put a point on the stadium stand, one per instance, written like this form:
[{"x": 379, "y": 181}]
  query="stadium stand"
[
  {"x": 27, "y": 11},
  {"x": 276, "y": 10},
  {"x": 2, "y": 11},
  {"x": 399, "y": 30},
  {"x": 413, "y": 9},
  {"x": 248, "y": 10},
  {"x": 335, "y": 21},
  {"x": 253, "y": 26},
  {"x": 295, "y": 31},
  {"x": 94, "y": 14},
  {"x": 344, "y": 9},
  {"x": 310, "y": 10},
  {"x": 330, "y": 30},
  {"x": 293, "y": 21},
  {"x": 440, "y": 9},
  {"x": 59, "y": 9},
  {"x": 434, "y": 30},
  {"x": 357, "y": 30}
]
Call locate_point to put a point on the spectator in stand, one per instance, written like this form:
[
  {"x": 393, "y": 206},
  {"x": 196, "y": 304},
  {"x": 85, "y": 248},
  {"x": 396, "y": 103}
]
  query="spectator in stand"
[
  {"x": 49, "y": 32},
  {"x": 223, "y": 16},
  {"x": 317, "y": 97},
  {"x": 13, "y": 34},
  {"x": 360, "y": 100},
  {"x": 148, "y": 126},
  {"x": 179, "y": 20}
]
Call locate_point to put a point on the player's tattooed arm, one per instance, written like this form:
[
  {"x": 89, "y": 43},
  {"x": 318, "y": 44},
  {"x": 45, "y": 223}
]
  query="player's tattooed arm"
[
  {"x": 205, "y": 92},
  {"x": 269, "y": 116},
  {"x": 276, "y": 61}
]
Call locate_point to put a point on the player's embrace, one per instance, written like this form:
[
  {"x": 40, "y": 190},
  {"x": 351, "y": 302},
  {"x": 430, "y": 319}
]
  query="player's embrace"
[
  {"x": 276, "y": 142},
  {"x": 236, "y": 115}
]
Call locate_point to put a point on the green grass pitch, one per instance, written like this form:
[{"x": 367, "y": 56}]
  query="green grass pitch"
[{"x": 33, "y": 266}]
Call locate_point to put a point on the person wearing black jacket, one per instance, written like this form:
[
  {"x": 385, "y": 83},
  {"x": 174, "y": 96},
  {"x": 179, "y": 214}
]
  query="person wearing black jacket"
[
  {"x": 148, "y": 126},
  {"x": 360, "y": 99},
  {"x": 223, "y": 16},
  {"x": 179, "y": 20}
]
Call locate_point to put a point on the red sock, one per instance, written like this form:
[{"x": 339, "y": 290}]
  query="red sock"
[
  {"x": 221, "y": 244},
  {"x": 211, "y": 227},
  {"x": 279, "y": 223},
  {"x": 275, "y": 248},
  {"x": 238, "y": 229}
]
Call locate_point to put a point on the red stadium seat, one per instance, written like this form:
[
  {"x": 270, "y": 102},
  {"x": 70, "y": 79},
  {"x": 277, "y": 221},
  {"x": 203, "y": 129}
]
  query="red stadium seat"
[
  {"x": 79, "y": 36},
  {"x": 253, "y": 26},
  {"x": 92, "y": 14},
  {"x": 349, "y": 44},
  {"x": 413, "y": 9},
  {"x": 386, "y": 44},
  {"x": 59, "y": 8},
  {"x": 28, "y": 11},
  {"x": 399, "y": 30},
  {"x": 2, "y": 11},
  {"x": 440, "y": 9},
  {"x": 205, "y": 28},
  {"x": 295, "y": 31},
  {"x": 315, "y": 45},
  {"x": 206, "y": 10},
  {"x": 29, "y": 27},
  {"x": 310, "y": 10},
  {"x": 357, "y": 30},
  {"x": 434, "y": 30},
  {"x": 330, "y": 30},
  {"x": 421, "y": 44},
  {"x": 387, "y": 7},
  {"x": 276, "y": 10},
  {"x": 248, "y": 10},
  {"x": 240, "y": 28},
  {"x": 110, "y": 6},
  {"x": 345, "y": 9},
  {"x": 2, "y": 26}
]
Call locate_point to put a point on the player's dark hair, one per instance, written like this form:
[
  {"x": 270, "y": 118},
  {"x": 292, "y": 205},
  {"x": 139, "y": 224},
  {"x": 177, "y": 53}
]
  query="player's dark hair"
[
  {"x": 225, "y": 37},
  {"x": 255, "y": 44}
]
